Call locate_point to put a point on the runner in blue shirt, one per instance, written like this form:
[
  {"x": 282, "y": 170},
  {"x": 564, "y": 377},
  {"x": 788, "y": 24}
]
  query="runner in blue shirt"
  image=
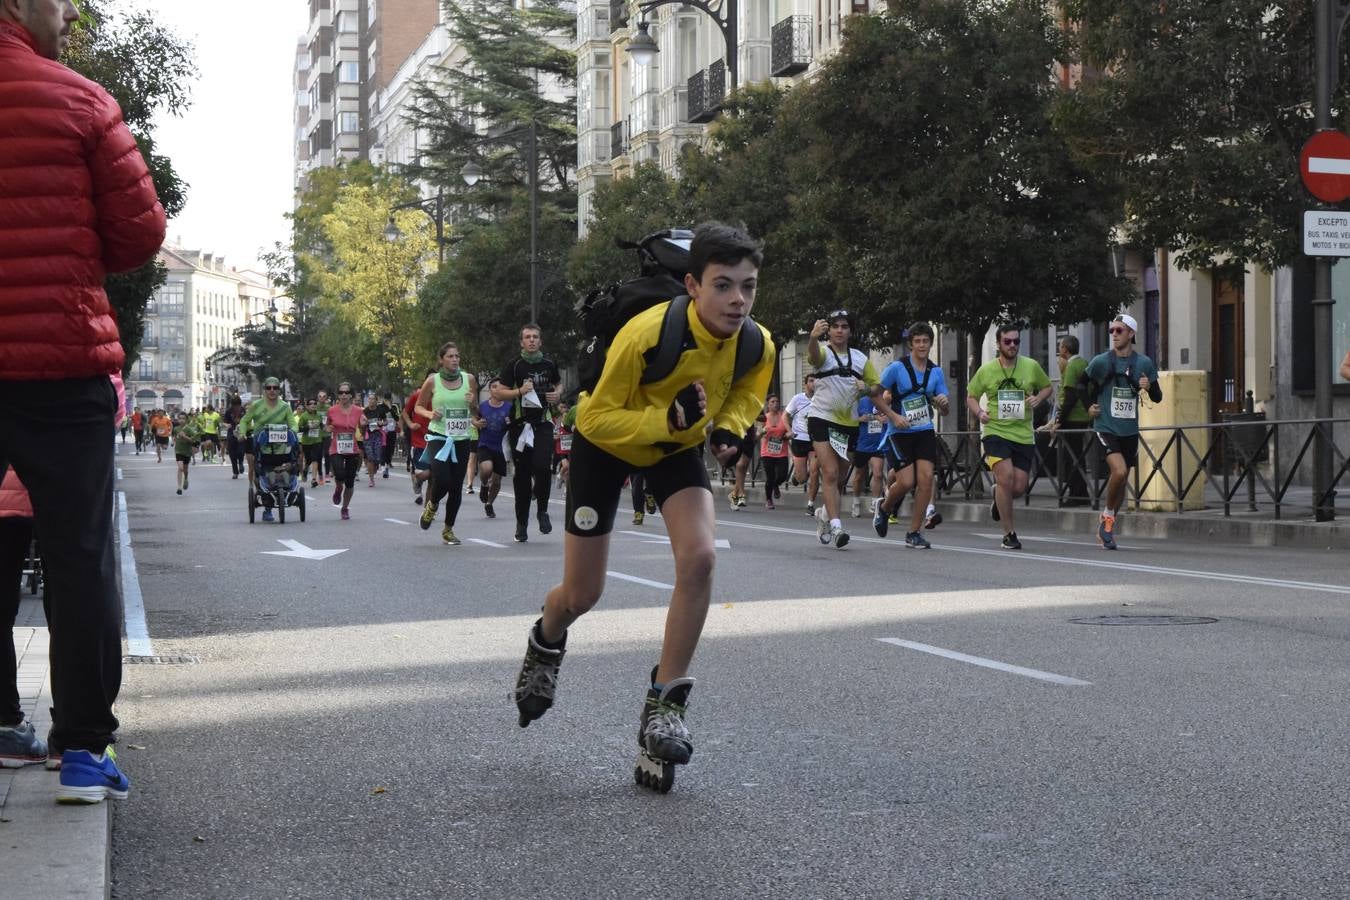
[
  {"x": 491, "y": 459},
  {"x": 868, "y": 458},
  {"x": 918, "y": 390}
]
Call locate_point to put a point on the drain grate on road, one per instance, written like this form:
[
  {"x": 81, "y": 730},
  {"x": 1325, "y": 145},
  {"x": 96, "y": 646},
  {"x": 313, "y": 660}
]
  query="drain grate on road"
[
  {"x": 160, "y": 660},
  {"x": 1144, "y": 620}
]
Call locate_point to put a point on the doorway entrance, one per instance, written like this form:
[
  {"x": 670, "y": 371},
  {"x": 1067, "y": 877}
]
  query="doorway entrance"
[{"x": 1227, "y": 388}]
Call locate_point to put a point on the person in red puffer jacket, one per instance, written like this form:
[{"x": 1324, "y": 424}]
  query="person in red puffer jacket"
[
  {"x": 76, "y": 202},
  {"x": 19, "y": 743}
]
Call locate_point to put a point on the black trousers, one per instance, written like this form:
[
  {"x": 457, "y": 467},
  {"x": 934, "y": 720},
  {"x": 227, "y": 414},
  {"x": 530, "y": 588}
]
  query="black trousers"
[
  {"x": 58, "y": 435},
  {"x": 16, "y": 533},
  {"x": 447, "y": 476},
  {"x": 533, "y": 476}
]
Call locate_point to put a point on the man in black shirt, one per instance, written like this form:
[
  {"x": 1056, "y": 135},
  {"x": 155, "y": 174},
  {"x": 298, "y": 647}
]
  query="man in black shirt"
[{"x": 533, "y": 385}]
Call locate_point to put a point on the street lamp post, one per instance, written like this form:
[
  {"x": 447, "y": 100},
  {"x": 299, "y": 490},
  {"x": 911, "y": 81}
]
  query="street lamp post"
[
  {"x": 433, "y": 207},
  {"x": 1330, "y": 21},
  {"x": 643, "y": 48}
]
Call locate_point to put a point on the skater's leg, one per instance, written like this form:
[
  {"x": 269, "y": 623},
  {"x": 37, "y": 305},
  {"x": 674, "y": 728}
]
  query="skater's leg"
[
  {"x": 584, "y": 563},
  {"x": 690, "y": 521}
]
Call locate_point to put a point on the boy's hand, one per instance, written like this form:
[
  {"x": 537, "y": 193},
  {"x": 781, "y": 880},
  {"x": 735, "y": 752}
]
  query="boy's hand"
[
  {"x": 687, "y": 407},
  {"x": 724, "y": 445}
]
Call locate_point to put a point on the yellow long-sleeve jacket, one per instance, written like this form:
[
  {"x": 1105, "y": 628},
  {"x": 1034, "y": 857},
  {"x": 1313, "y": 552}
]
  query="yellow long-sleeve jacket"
[{"x": 628, "y": 419}]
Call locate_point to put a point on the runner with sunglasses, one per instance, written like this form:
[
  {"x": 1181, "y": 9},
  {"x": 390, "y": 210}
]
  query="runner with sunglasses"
[
  {"x": 269, "y": 409},
  {"x": 1014, "y": 385},
  {"x": 1116, "y": 379}
]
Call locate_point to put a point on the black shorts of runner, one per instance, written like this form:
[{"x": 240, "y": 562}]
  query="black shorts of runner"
[
  {"x": 496, "y": 457},
  {"x": 420, "y": 461},
  {"x": 162, "y": 440},
  {"x": 1127, "y": 445},
  {"x": 209, "y": 437},
  {"x": 313, "y": 453},
  {"x": 184, "y": 458},
  {"x": 596, "y": 481},
  {"x": 861, "y": 458},
  {"x": 800, "y": 448},
  {"x": 1023, "y": 456},
  {"x": 473, "y": 446},
  {"x": 820, "y": 429},
  {"x": 345, "y": 468},
  {"x": 747, "y": 446},
  {"x": 905, "y": 448}
]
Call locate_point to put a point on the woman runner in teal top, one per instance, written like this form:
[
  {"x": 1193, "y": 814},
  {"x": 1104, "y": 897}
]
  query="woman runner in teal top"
[{"x": 449, "y": 398}]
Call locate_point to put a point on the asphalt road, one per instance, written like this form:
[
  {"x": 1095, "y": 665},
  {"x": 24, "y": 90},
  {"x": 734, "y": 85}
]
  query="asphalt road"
[{"x": 348, "y": 732}]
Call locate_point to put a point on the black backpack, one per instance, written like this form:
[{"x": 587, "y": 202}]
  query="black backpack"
[{"x": 663, "y": 262}]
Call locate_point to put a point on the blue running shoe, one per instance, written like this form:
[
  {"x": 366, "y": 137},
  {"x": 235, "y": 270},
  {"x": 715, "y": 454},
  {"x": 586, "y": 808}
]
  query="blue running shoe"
[
  {"x": 86, "y": 778},
  {"x": 267, "y": 515},
  {"x": 880, "y": 518},
  {"x": 916, "y": 541}
]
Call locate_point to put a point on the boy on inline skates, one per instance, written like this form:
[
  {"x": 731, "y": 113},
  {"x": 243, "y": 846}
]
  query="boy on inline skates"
[{"x": 656, "y": 428}]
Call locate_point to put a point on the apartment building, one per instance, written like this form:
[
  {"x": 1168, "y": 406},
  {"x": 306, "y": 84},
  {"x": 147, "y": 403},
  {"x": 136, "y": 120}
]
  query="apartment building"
[
  {"x": 193, "y": 318},
  {"x": 352, "y": 50}
]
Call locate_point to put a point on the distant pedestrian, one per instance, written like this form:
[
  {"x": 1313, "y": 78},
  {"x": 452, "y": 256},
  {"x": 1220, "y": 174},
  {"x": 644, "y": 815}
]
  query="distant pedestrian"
[
  {"x": 76, "y": 202},
  {"x": 1071, "y": 412}
]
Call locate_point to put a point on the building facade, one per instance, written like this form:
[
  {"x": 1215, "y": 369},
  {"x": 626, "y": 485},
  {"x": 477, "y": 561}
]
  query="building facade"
[{"x": 192, "y": 318}]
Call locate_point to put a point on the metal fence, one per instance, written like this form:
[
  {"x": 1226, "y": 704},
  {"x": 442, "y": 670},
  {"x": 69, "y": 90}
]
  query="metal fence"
[{"x": 1252, "y": 464}]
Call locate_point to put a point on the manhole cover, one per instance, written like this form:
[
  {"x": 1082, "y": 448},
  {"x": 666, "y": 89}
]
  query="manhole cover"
[
  {"x": 1145, "y": 620},
  {"x": 161, "y": 660}
]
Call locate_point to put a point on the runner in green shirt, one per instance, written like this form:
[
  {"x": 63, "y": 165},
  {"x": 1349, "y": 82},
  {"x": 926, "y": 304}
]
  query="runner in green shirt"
[
  {"x": 310, "y": 426},
  {"x": 270, "y": 409},
  {"x": 1014, "y": 385},
  {"x": 1071, "y": 412},
  {"x": 209, "y": 423},
  {"x": 325, "y": 468},
  {"x": 186, "y": 436}
]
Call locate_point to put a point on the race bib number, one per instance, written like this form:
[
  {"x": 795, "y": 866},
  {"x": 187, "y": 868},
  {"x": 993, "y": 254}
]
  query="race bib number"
[
  {"x": 1012, "y": 405},
  {"x": 1124, "y": 405},
  {"x": 346, "y": 443},
  {"x": 278, "y": 434},
  {"x": 774, "y": 446},
  {"x": 874, "y": 426},
  {"x": 456, "y": 423},
  {"x": 312, "y": 431},
  {"x": 916, "y": 409},
  {"x": 565, "y": 443},
  {"x": 839, "y": 441}
]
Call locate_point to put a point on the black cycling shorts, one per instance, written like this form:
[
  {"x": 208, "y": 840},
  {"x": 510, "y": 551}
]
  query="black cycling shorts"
[
  {"x": 1023, "y": 456},
  {"x": 1127, "y": 445},
  {"x": 820, "y": 429},
  {"x": 800, "y": 448},
  {"x": 595, "y": 483},
  {"x": 313, "y": 453},
  {"x": 905, "y": 448}
]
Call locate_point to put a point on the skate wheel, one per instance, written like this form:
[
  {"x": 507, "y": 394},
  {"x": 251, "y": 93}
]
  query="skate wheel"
[{"x": 654, "y": 774}]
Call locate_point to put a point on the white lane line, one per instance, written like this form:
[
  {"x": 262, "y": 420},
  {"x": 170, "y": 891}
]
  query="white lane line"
[
  {"x": 636, "y": 580},
  {"x": 1045, "y": 540},
  {"x": 987, "y": 663},
  {"x": 486, "y": 543},
  {"x": 1014, "y": 555},
  {"x": 650, "y": 538},
  {"x": 398, "y": 521},
  {"x": 119, "y": 473},
  {"x": 133, "y": 604}
]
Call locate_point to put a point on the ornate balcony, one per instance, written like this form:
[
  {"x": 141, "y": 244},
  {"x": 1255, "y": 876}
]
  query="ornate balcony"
[
  {"x": 707, "y": 90},
  {"x": 618, "y": 139},
  {"x": 790, "y": 46},
  {"x": 618, "y": 15}
]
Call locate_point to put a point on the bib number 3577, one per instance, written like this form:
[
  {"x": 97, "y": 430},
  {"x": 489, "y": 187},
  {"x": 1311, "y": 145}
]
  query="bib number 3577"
[{"x": 1012, "y": 405}]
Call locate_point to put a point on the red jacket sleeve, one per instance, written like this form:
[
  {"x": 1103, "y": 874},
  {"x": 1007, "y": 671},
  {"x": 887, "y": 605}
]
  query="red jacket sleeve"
[{"x": 130, "y": 219}]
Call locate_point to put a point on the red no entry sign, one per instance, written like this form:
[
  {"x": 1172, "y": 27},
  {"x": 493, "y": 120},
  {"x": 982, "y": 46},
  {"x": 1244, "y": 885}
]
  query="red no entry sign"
[{"x": 1325, "y": 165}]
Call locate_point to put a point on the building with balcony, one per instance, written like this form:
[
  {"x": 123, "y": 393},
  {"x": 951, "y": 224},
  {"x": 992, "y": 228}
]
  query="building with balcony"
[
  {"x": 194, "y": 316},
  {"x": 352, "y": 51}
]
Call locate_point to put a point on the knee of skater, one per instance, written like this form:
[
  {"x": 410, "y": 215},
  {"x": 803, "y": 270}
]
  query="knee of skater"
[
  {"x": 579, "y": 601},
  {"x": 696, "y": 566}
]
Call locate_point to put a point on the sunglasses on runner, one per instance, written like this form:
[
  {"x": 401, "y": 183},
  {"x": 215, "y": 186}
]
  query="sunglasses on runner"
[
  {"x": 1121, "y": 330},
  {"x": 348, "y": 393},
  {"x": 1012, "y": 342},
  {"x": 271, "y": 387}
]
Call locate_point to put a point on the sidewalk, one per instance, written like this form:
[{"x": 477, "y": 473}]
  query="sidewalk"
[
  {"x": 49, "y": 850},
  {"x": 1294, "y": 528}
]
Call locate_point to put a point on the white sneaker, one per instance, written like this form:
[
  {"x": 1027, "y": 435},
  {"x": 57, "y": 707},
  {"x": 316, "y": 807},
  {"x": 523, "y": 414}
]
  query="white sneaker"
[
  {"x": 838, "y": 537},
  {"x": 822, "y": 526},
  {"x": 857, "y": 507}
]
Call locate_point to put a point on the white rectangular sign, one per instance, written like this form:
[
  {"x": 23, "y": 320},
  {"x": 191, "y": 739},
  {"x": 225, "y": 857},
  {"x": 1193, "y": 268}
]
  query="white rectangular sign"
[{"x": 1326, "y": 233}]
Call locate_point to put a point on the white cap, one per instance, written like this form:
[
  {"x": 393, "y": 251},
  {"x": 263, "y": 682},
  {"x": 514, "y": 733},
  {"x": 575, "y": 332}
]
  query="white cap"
[{"x": 1128, "y": 321}]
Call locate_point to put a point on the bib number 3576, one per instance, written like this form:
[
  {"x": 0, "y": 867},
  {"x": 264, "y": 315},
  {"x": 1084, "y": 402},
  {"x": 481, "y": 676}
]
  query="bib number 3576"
[{"x": 1123, "y": 404}]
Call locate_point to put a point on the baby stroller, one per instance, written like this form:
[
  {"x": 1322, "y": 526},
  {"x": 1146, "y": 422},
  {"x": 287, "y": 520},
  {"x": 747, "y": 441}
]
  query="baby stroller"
[{"x": 277, "y": 473}]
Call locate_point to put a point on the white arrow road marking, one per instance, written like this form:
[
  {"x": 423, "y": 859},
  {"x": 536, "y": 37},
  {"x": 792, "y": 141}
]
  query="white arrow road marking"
[
  {"x": 299, "y": 550},
  {"x": 1325, "y": 165},
  {"x": 486, "y": 543},
  {"x": 719, "y": 543},
  {"x": 987, "y": 663},
  {"x": 637, "y": 580}
]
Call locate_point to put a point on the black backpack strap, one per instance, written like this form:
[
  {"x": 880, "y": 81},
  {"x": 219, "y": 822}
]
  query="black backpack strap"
[
  {"x": 665, "y": 356},
  {"x": 749, "y": 349},
  {"x": 914, "y": 386}
]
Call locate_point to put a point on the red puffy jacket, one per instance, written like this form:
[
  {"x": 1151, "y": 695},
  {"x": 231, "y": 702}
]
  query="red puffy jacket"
[
  {"x": 14, "y": 502},
  {"x": 76, "y": 202}
]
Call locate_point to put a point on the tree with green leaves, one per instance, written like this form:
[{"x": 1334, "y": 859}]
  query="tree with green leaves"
[
  {"x": 148, "y": 69},
  {"x": 1199, "y": 109}
]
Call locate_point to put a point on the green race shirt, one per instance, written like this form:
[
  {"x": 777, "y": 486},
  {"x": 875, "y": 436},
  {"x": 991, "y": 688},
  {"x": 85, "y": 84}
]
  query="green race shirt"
[
  {"x": 185, "y": 437},
  {"x": 1073, "y": 375},
  {"x": 260, "y": 414},
  {"x": 310, "y": 426},
  {"x": 1007, "y": 390},
  {"x": 1117, "y": 378}
]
